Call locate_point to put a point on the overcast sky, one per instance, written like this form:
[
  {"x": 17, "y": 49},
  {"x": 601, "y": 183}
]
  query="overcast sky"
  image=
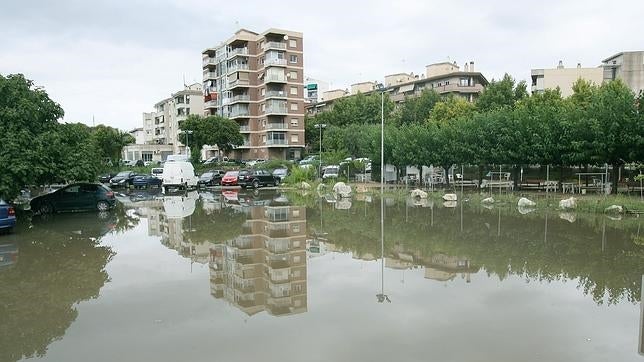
[{"x": 114, "y": 59}]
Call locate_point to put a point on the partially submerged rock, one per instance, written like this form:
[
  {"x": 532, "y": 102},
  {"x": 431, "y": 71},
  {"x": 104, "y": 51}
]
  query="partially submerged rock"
[
  {"x": 341, "y": 189},
  {"x": 305, "y": 186},
  {"x": 418, "y": 193},
  {"x": 525, "y": 209},
  {"x": 450, "y": 197},
  {"x": 450, "y": 204},
  {"x": 488, "y": 200},
  {"x": 568, "y": 216},
  {"x": 569, "y": 203},
  {"x": 523, "y": 202},
  {"x": 614, "y": 209}
]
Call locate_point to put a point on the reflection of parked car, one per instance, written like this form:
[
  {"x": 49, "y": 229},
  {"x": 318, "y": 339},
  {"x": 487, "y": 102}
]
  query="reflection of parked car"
[
  {"x": 8, "y": 255},
  {"x": 331, "y": 172},
  {"x": 146, "y": 180},
  {"x": 211, "y": 178},
  {"x": 80, "y": 196},
  {"x": 256, "y": 178},
  {"x": 280, "y": 173},
  {"x": 7, "y": 216},
  {"x": 123, "y": 178},
  {"x": 157, "y": 172},
  {"x": 230, "y": 178}
]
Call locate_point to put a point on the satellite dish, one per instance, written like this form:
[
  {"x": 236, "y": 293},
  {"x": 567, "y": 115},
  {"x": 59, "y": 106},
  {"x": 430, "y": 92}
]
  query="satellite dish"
[{"x": 285, "y": 37}]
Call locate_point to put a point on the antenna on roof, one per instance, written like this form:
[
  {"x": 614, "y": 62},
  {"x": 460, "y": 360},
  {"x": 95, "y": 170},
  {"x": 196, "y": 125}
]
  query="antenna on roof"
[{"x": 184, "y": 80}]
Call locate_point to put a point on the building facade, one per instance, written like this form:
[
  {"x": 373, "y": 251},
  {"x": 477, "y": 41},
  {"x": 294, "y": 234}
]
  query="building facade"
[
  {"x": 627, "y": 66},
  {"x": 314, "y": 90},
  {"x": 445, "y": 78},
  {"x": 257, "y": 80},
  {"x": 564, "y": 78}
]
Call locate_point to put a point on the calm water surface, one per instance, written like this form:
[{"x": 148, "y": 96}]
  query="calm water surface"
[{"x": 242, "y": 276}]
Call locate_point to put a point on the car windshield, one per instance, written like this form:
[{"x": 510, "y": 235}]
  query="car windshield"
[
  {"x": 207, "y": 174},
  {"x": 280, "y": 171},
  {"x": 122, "y": 174},
  {"x": 231, "y": 174},
  {"x": 244, "y": 172},
  {"x": 157, "y": 170}
]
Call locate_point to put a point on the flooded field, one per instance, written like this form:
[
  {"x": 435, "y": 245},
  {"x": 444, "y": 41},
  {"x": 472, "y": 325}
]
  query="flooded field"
[{"x": 269, "y": 276}]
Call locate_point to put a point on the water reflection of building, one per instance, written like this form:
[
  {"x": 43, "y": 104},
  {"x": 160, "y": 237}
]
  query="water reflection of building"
[
  {"x": 642, "y": 319},
  {"x": 264, "y": 268},
  {"x": 445, "y": 267}
]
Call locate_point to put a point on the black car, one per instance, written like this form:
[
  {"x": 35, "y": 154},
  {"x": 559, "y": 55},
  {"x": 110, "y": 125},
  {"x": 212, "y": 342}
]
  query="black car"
[
  {"x": 146, "y": 181},
  {"x": 123, "y": 178},
  {"x": 211, "y": 178},
  {"x": 256, "y": 178},
  {"x": 105, "y": 178},
  {"x": 75, "y": 197}
]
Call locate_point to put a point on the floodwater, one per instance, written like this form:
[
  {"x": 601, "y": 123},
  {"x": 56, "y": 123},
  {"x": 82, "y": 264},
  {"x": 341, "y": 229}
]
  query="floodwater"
[{"x": 243, "y": 276}]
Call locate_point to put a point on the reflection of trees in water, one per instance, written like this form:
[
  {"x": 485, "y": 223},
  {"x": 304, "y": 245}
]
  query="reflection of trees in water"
[
  {"x": 611, "y": 269},
  {"x": 213, "y": 226},
  {"x": 60, "y": 264}
]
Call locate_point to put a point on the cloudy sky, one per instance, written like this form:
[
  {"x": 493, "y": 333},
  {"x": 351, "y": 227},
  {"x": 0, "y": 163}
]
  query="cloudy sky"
[{"x": 114, "y": 59}]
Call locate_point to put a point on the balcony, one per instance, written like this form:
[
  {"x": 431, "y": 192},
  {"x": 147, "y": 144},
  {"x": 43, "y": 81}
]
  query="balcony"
[
  {"x": 276, "y": 126},
  {"x": 275, "y": 62},
  {"x": 246, "y": 144},
  {"x": 209, "y": 61},
  {"x": 239, "y": 113},
  {"x": 244, "y": 128},
  {"x": 275, "y": 78},
  {"x": 239, "y": 83},
  {"x": 209, "y": 75},
  {"x": 276, "y": 108},
  {"x": 237, "y": 51},
  {"x": 274, "y": 45},
  {"x": 276, "y": 142},
  {"x": 237, "y": 67},
  {"x": 210, "y": 104},
  {"x": 239, "y": 98},
  {"x": 275, "y": 94}
]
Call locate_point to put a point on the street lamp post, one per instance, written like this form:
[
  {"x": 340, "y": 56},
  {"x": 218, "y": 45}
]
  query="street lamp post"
[
  {"x": 320, "y": 126},
  {"x": 187, "y": 132},
  {"x": 382, "y": 296}
]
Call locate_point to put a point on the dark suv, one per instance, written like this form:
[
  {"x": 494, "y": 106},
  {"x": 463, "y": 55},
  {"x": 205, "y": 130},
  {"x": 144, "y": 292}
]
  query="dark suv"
[{"x": 256, "y": 178}]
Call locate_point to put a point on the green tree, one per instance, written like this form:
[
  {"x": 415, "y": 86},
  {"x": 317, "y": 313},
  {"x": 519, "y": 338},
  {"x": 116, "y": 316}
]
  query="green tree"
[
  {"x": 26, "y": 115},
  {"x": 110, "y": 142},
  {"x": 450, "y": 109},
  {"x": 502, "y": 93},
  {"x": 418, "y": 109},
  {"x": 211, "y": 130}
]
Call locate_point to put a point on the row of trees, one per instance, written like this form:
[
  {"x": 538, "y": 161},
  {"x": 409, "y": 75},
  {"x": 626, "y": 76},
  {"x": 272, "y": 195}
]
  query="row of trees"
[
  {"x": 37, "y": 149},
  {"x": 596, "y": 125}
]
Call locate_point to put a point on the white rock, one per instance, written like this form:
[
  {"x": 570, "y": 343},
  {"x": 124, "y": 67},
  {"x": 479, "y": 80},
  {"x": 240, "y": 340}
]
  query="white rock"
[
  {"x": 614, "y": 209},
  {"x": 525, "y": 209},
  {"x": 305, "y": 186},
  {"x": 418, "y": 193},
  {"x": 568, "y": 216},
  {"x": 523, "y": 202},
  {"x": 450, "y": 197},
  {"x": 341, "y": 189},
  {"x": 450, "y": 204},
  {"x": 488, "y": 200},
  {"x": 343, "y": 204},
  {"x": 569, "y": 203}
]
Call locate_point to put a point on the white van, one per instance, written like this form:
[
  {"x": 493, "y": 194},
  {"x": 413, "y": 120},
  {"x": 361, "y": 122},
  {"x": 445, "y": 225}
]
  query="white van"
[{"x": 179, "y": 173}]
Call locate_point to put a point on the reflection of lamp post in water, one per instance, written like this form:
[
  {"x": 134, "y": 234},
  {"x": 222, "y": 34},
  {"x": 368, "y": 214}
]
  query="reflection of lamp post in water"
[
  {"x": 382, "y": 296},
  {"x": 320, "y": 126}
]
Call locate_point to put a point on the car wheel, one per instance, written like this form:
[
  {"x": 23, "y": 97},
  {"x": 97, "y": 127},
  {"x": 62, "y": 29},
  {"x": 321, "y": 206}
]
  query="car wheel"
[
  {"x": 256, "y": 184},
  {"x": 102, "y": 206},
  {"x": 45, "y": 209}
]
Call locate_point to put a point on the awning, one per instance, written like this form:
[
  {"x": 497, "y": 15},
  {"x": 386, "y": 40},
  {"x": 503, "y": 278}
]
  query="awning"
[{"x": 406, "y": 88}]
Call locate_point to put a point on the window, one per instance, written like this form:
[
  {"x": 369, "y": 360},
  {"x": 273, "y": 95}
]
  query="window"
[
  {"x": 292, "y": 58},
  {"x": 187, "y": 111},
  {"x": 294, "y": 91},
  {"x": 72, "y": 189},
  {"x": 263, "y": 107},
  {"x": 296, "y": 213},
  {"x": 264, "y": 139},
  {"x": 293, "y": 106},
  {"x": 293, "y": 75},
  {"x": 146, "y": 156},
  {"x": 295, "y": 138},
  {"x": 263, "y": 91},
  {"x": 294, "y": 122},
  {"x": 292, "y": 43},
  {"x": 296, "y": 243},
  {"x": 464, "y": 82},
  {"x": 296, "y": 259}
]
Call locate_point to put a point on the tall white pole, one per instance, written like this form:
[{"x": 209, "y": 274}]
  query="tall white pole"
[
  {"x": 320, "y": 163},
  {"x": 382, "y": 190}
]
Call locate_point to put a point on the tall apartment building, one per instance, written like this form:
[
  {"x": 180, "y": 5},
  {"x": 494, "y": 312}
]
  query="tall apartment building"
[
  {"x": 257, "y": 80},
  {"x": 564, "y": 78},
  {"x": 627, "y": 66},
  {"x": 445, "y": 78},
  {"x": 264, "y": 268}
]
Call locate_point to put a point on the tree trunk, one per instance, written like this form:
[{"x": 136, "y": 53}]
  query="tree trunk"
[
  {"x": 615, "y": 178},
  {"x": 515, "y": 176},
  {"x": 481, "y": 167},
  {"x": 560, "y": 176},
  {"x": 446, "y": 168}
]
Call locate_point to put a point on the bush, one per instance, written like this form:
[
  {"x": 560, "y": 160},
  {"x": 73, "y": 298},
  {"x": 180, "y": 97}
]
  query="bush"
[
  {"x": 300, "y": 174},
  {"x": 273, "y": 164}
]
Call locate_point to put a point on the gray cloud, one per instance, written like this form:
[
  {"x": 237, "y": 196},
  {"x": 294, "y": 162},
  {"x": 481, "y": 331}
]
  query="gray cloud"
[{"x": 115, "y": 59}]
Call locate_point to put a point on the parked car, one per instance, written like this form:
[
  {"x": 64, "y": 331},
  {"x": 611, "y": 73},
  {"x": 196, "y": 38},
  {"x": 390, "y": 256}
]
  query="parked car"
[
  {"x": 148, "y": 163},
  {"x": 211, "y": 178},
  {"x": 211, "y": 160},
  {"x": 331, "y": 172},
  {"x": 123, "y": 179},
  {"x": 280, "y": 173},
  {"x": 230, "y": 178},
  {"x": 78, "y": 196},
  {"x": 7, "y": 216},
  {"x": 157, "y": 172},
  {"x": 129, "y": 163},
  {"x": 105, "y": 178},
  {"x": 146, "y": 181},
  {"x": 179, "y": 173},
  {"x": 256, "y": 178},
  {"x": 253, "y": 163}
]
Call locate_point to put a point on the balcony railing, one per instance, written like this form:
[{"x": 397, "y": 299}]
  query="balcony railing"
[
  {"x": 234, "y": 68},
  {"x": 211, "y": 104},
  {"x": 274, "y": 61},
  {"x": 233, "y": 52},
  {"x": 209, "y": 61},
  {"x": 238, "y": 82},
  {"x": 209, "y": 75},
  {"x": 276, "y": 110},
  {"x": 277, "y": 126},
  {"x": 274, "y": 45},
  {"x": 239, "y": 113},
  {"x": 276, "y": 142},
  {"x": 275, "y": 94},
  {"x": 275, "y": 78},
  {"x": 240, "y": 98},
  {"x": 244, "y": 128}
]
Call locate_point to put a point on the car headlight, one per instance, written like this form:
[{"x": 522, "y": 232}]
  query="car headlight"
[{"x": 122, "y": 181}]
